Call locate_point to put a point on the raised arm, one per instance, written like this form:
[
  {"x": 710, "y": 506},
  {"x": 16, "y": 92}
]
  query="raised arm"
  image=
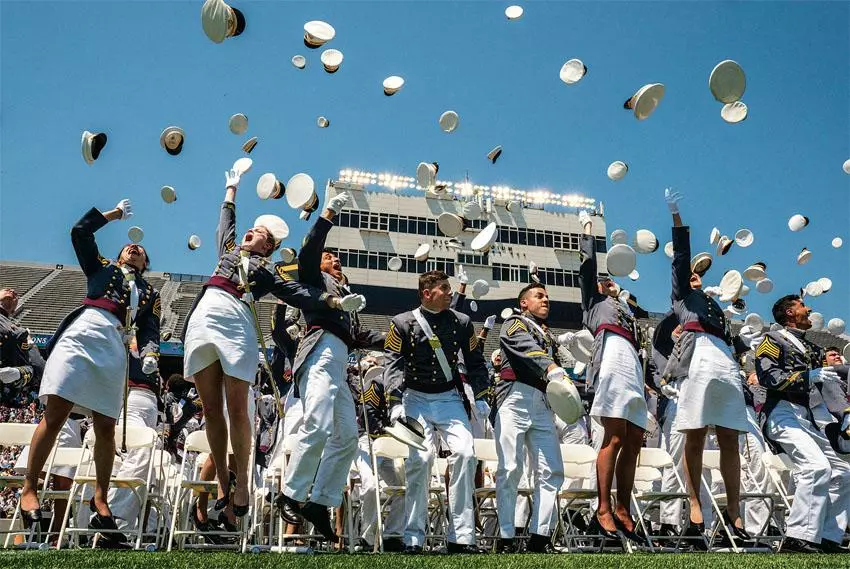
[
  {"x": 681, "y": 248},
  {"x": 587, "y": 271},
  {"x": 310, "y": 255},
  {"x": 82, "y": 235}
]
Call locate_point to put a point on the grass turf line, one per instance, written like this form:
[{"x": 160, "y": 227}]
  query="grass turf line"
[{"x": 198, "y": 560}]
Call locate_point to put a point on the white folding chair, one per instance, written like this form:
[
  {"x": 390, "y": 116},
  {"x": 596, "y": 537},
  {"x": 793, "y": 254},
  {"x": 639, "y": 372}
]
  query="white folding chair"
[
  {"x": 137, "y": 438},
  {"x": 711, "y": 462},
  {"x": 390, "y": 449},
  {"x": 190, "y": 485},
  {"x": 15, "y": 434},
  {"x": 652, "y": 462}
]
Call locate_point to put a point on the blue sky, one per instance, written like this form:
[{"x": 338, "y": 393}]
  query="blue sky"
[{"x": 132, "y": 68}]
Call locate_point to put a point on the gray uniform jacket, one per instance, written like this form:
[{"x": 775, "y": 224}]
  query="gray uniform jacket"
[
  {"x": 263, "y": 278},
  {"x": 783, "y": 370},
  {"x": 526, "y": 355},
  {"x": 600, "y": 311},
  {"x": 16, "y": 351},
  {"x": 695, "y": 310},
  {"x": 411, "y": 362},
  {"x": 343, "y": 325}
]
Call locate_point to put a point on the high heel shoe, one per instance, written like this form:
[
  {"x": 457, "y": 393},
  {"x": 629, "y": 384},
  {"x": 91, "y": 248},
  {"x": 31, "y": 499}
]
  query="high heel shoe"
[
  {"x": 595, "y": 528},
  {"x": 222, "y": 503},
  {"x": 739, "y": 533},
  {"x": 695, "y": 529},
  {"x": 106, "y": 524},
  {"x": 631, "y": 535}
]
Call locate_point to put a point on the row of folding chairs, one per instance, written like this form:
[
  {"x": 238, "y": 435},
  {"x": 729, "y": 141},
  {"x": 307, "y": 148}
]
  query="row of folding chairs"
[{"x": 169, "y": 491}]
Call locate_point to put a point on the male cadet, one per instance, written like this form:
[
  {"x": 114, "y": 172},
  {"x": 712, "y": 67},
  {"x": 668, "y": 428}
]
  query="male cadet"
[
  {"x": 20, "y": 361},
  {"x": 524, "y": 420},
  {"x": 327, "y": 439},
  {"x": 788, "y": 366},
  {"x": 422, "y": 348}
]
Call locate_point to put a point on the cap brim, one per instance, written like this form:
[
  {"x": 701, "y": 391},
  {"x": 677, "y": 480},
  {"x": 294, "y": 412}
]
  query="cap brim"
[
  {"x": 402, "y": 434},
  {"x": 564, "y": 400}
]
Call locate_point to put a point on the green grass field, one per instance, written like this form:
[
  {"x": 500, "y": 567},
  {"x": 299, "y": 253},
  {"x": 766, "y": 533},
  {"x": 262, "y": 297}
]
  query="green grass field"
[{"x": 199, "y": 560}]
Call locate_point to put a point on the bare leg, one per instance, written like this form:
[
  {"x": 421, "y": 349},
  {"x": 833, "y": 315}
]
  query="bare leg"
[
  {"x": 612, "y": 442},
  {"x": 209, "y": 383},
  {"x": 240, "y": 431},
  {"x": 625, "y": 471},
  {"x": 57, "y": 412},
  {"x": 207, "y": 473},
  {"x": 104, "y": 456},
  {"x": 694, "y": 445},
  {"x": 730, "y": 470}
]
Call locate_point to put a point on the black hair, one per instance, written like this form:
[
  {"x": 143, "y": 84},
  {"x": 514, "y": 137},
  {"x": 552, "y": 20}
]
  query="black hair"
[
  {"x": 526, "y": 288},
  {"x": 783, "y": 304},
  {"x": 147, "y": 256}
]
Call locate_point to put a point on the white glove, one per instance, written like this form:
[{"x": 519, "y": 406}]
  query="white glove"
[
  {"x": 584, "y": 218},
  {"x": 672, "y": 198},
  {"x": 462, "y": 277},
  {"x": 557, "y": 374},
  {"x": 396, "y": 413},
  {"x": 482, "y": 408},
  {"x": 336, "y": 203},
  {"x": 822, "y": 374},
  {"x": 126, "y": 208},
  {"x": 149, "y": 365},
  {"x": 352, "y": 303},
  {"x": 9, "y": 374},
  {"x": 248, "y": 297},
  {"x": 293, "y": 330},
  {"x": 231, "y": 179},
  {"x": 669, "y": 391},
  {"x": 262, "y": 357},
  {"x": 712, "y": 291},
  {"x": 490, "y": 322},
  {"x": 566, "y": 338}
]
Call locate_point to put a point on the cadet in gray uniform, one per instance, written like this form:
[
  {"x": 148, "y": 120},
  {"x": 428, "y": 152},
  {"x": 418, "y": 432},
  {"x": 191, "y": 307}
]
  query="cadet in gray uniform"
[
  {"x": 21, "y": 363},
  {"x": 426, "y": 370},
  {"x": 788, "y": 366},
  {"x": 616, "y": 374},
  {"x": 327, "y": 439},
  {"x": 524, "y": 421}
]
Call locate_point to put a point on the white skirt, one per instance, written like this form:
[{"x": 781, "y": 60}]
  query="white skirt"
[
  {"x": 88, "y": 364},
  {"x": 711, "y": 395},
  {"x": 619, "y": 388},
  {"x": 221, "y": 328}
]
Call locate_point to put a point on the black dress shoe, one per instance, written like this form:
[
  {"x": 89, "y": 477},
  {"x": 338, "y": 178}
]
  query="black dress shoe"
[
  {"x": 507, "y": 545},
  {"x": 696, "y": 530},
  {"x": 462, "y": 548},
  {"x": 413, "y": 550},
  {"x": 739, "y": 533},
  {"x": 289, "y": 509},
  {"x": 107, "y": 524},
  {"x": 794, "y": 545},
  {"x": 540, "y": 544},
  {"x": 393, "y": 544},
  {"x": 319, "y": 516},
  {"x": 633, "y": 535},
  {"x": 829, "y": 546}
]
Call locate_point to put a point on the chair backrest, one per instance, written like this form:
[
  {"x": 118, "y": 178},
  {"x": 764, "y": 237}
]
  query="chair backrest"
[
  {"x": 485, "y": 449},
  {"x": 577, "y": 454},
  {"x": 711, "y": 459},
  {"x": 388, "y": 447},
  {"x": 197, "y": 442},
  {"x": 16, "y": 434},
  {"x": 647, "y": 474},
  {"x": 137, "y": 437},
  {"x": 578, "y": 471},
  {"x": 654, "y": 457}
]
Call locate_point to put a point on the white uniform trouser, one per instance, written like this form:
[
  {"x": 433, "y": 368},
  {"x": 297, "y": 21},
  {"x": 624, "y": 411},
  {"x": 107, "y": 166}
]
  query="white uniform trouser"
[
  {"x": 754, "y": 479},
  {"x": 524, "y": 423},
  {"x": 822, "y": 478},
  {"x": 327, "y": 439},
  {"x": 441, "y": 413},
  {"x": 389, "y": 475},
  {"x": 141, "y": 412}
]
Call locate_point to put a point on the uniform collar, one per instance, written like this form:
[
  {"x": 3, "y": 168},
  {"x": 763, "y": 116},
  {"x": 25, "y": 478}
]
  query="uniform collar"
[
  {"x": 428, "y": 310},
  {"x": 797, "y": 332}
]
